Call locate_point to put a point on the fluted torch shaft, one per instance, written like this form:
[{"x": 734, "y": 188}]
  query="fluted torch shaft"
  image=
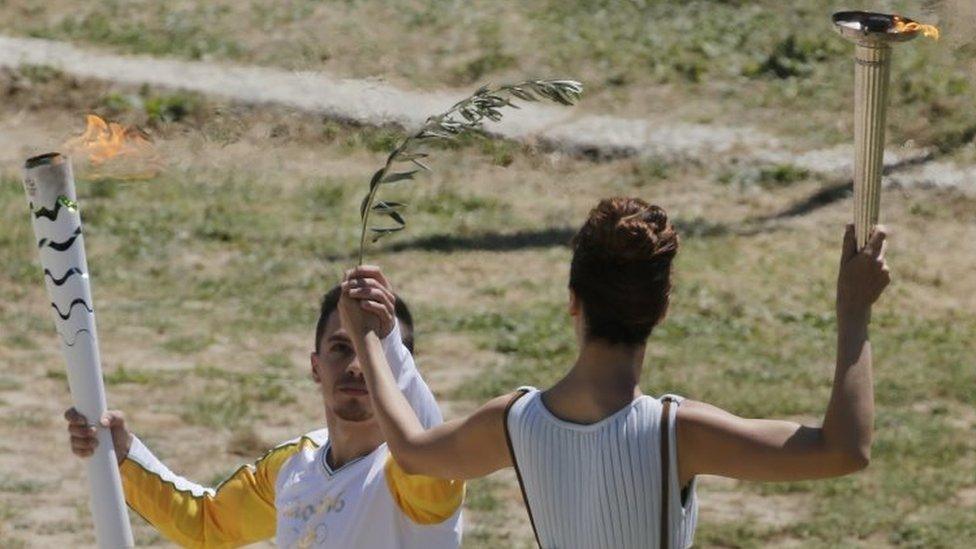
[{"x": 872, "y": 69}]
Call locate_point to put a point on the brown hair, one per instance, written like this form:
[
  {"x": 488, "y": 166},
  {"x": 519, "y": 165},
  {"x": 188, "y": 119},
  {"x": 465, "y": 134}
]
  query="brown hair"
[{"x": 621, "y": 269}]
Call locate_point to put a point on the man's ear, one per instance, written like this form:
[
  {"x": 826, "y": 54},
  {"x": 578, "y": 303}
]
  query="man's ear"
[{"x": 314, "y": 361}]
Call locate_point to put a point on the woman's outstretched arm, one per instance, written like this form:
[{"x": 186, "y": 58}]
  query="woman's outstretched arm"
[
  {"x": 713, "y": 441},
  {"x": 460, "y": 449}
]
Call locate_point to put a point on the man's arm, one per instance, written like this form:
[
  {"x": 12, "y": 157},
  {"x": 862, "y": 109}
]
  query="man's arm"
[
  {"x": 713, "y": 441},
  {"x": 238, "y": 512},
  {"x": 409, "y": 380}
]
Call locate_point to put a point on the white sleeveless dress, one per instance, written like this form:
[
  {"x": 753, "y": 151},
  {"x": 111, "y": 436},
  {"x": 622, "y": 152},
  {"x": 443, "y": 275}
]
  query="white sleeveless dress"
[{"x": 599, "y": 485}]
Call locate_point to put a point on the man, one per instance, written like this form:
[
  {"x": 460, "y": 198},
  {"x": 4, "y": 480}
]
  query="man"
[{"x": 335, "y": 487}]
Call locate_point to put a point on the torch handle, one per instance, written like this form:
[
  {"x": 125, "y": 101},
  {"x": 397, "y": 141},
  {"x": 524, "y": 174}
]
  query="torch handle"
[
  {"x": 58, "y": 232},
  {"x": 872, "y": 70}
]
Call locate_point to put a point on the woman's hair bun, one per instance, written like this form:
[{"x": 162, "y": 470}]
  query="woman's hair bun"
[
  {"x": 629, "y": 229},
  {"x": 621, "y": 269}
]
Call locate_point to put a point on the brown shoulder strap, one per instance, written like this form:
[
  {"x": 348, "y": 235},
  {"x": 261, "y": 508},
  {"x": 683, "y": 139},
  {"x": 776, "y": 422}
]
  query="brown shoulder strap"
[
  {"x": 665, "y": 474},
  {"x": 511, "y": 452}
]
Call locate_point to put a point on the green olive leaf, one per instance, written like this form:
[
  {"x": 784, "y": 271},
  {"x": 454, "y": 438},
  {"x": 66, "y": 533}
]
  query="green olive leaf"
[{"x": 465, "y": 116}]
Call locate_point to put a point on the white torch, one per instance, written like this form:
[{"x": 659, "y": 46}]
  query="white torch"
[{"x": 57, "y": 227}]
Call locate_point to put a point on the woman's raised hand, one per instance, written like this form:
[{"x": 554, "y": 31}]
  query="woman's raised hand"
[
  {"x": 367, "y": 290},
  {"x": 863, "y": 273}
]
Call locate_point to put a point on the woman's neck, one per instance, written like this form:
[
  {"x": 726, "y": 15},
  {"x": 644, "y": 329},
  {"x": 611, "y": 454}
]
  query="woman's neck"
[{"x": 604, "y": 379}]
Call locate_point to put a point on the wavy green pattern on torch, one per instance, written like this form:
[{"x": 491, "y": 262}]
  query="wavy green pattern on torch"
[{"x": 63, "y": 201}]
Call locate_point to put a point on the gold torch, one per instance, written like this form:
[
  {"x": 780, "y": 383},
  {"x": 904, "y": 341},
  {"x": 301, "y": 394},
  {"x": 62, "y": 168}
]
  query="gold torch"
[{"x": 873, "y": 35}]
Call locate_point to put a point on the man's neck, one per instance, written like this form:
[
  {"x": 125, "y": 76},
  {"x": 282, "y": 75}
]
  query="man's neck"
[{"x": 351, "y": 439}]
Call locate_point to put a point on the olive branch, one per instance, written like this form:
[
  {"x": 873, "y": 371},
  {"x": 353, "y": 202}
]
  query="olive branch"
[{"x": 466, "y": 115}]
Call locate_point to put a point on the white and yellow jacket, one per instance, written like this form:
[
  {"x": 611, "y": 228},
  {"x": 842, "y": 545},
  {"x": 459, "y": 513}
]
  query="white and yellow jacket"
[{"x": 291, "y": 493}]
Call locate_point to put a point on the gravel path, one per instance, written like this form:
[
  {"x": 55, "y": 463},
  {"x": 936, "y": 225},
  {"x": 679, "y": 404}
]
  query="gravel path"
[{"x": 375, "y": 103}]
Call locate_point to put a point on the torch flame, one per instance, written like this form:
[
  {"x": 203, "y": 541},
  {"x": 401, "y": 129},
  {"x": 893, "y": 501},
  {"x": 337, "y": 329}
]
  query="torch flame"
[
  {"x": 104, "y": 143},
  {"x": 929, "y": 31}
]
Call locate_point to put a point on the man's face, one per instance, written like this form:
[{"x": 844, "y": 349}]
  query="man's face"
[{"x": 335, "y": 368}]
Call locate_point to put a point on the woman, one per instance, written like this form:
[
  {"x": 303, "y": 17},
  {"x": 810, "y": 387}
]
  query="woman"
[{"x": 600, "y": 464}]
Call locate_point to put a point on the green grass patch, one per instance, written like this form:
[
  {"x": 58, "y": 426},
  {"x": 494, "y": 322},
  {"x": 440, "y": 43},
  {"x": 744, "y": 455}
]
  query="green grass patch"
[
  {"x": 172, "y": 107},
  {"x": 158, "y": 30},
  {"x": 225, "y": 409},
  {"x": 188, "y": 344},
  {"x": 56, "y": 373},
  {"x": 121, "y": 374},
  {"x": 766, "y": 177},
  {"x": 20, "y": 486},
  {"x": 232, "y": 399},
  {"x": 40, "y": 73},
  {"x": 10, "y": 384},
  {"x": 25, "y": 418},
  {"x": 480, "y": 495}
]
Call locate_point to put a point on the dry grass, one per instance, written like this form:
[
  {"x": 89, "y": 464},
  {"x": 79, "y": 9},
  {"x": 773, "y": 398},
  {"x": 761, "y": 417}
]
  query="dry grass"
[{"x": 206, "y": 280}]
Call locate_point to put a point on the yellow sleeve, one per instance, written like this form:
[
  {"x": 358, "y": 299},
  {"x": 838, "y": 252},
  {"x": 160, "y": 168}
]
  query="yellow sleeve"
[
  {"x": 238, "y": 512},
  {"x": 425, "y": 500}
]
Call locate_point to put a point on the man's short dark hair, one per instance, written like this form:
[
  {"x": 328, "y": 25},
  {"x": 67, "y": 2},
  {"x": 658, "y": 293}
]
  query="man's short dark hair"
[{"x": 330, "y": 302}]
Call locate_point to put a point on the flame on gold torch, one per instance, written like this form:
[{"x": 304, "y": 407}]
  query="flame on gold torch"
[
  {"x": 873, "y": 35},
  {"x": 903, "y": 25}
]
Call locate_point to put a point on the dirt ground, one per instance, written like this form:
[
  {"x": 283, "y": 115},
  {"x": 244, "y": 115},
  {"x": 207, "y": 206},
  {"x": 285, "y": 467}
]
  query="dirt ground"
[{"x": 205, "y": 330}]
